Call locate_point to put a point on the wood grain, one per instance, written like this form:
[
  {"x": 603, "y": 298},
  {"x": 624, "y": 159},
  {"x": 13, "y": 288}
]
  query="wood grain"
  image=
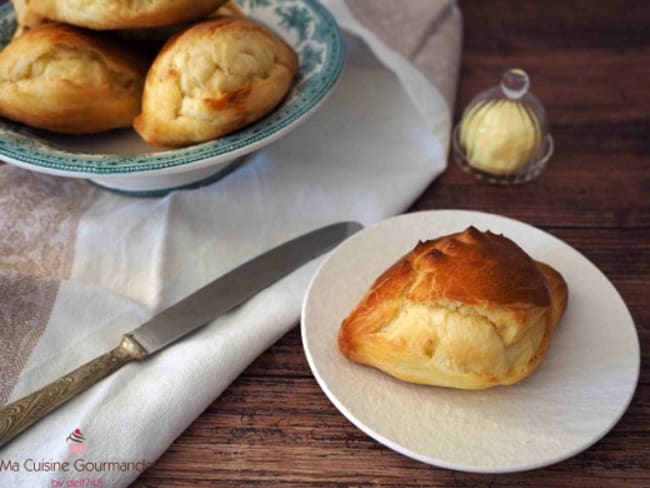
[{"x": 589, "y": 62}]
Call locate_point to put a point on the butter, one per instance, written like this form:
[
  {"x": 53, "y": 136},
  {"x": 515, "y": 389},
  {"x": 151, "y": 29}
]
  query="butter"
[
  {"x": 500, "y": 136},
  {"x": 503, "y": 136}
]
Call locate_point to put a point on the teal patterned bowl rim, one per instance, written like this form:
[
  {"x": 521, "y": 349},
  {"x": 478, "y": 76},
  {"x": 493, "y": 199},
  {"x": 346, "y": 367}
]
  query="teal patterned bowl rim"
[{"x": 320, "y": 50}]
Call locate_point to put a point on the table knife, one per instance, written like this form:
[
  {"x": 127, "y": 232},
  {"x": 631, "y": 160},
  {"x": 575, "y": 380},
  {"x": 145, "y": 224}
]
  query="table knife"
[{"x": 191, "y": 313}]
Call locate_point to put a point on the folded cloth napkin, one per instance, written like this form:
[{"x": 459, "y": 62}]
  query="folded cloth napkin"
[{"x": 79, "y": 266}]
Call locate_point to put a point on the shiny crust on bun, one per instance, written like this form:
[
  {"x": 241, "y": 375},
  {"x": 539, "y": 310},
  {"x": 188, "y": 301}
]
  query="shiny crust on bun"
[{"x": 470, "y": 310}]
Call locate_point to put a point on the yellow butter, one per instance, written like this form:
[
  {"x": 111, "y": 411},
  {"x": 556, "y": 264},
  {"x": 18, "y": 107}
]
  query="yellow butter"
[{"x": 500, "y": 136}]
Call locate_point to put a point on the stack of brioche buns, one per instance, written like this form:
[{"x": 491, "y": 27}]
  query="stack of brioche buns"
[{"x": 180, "y": 72}]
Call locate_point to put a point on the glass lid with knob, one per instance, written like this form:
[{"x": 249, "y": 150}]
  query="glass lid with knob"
[{"x": 503, "y": 135}]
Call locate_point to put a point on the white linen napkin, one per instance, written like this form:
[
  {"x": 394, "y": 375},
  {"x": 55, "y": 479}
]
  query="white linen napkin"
[{"x": 377, "y": 143}]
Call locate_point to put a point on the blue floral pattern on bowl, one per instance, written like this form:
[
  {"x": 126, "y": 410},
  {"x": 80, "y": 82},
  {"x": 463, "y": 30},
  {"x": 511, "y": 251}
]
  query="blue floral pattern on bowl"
[{"x": 305, "y": 24}]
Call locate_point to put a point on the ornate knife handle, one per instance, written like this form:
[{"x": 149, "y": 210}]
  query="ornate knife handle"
[{"x": 18, "y": 416}]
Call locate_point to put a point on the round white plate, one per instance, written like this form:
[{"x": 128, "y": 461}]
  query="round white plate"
[
  {"x": 575, "y": 397},
  {"x": 120, "y": 160}
]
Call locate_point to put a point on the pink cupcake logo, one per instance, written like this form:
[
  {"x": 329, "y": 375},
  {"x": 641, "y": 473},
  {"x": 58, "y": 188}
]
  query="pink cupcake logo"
[{"x": 76, "y": 441}]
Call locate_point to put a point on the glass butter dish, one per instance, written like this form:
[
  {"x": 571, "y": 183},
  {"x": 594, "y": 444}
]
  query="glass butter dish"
[{"x": 503, "y": 136}]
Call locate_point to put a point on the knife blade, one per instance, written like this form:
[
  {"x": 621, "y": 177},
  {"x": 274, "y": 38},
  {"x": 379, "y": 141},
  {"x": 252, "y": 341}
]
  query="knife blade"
[
  {"x": 189, "y": 314},
  {"x": 236, "y": 286}
]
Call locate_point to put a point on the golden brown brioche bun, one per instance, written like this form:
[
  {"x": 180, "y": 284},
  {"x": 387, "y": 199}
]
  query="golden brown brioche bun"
[
  {"x": 154, "y": 37},
  {"x": 62, "y": 79},
  {"x": 469, "y": 310},
  {"x": 213, "y": 79},
  {"x": 123, "y": 14}
]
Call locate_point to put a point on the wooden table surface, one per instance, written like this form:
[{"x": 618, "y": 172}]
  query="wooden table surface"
[{"x": 589, "y": 62}]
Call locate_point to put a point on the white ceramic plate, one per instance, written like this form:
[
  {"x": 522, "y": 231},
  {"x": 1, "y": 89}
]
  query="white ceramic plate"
[
  {"x": 576, "y": 396},
  {"x": 121, "y": 160}
]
